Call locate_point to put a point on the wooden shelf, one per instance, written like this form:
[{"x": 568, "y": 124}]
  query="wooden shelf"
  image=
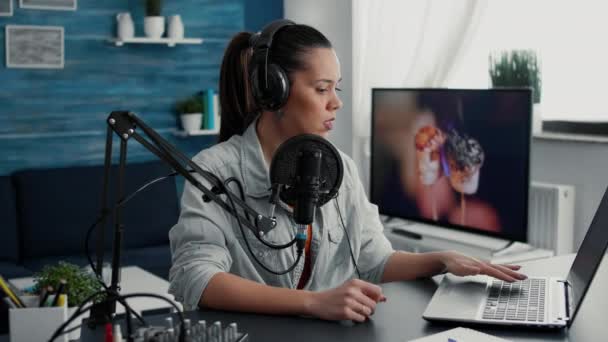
[
  {"x": 145, "y": 40},
  {"x": 196, "y": 133}
]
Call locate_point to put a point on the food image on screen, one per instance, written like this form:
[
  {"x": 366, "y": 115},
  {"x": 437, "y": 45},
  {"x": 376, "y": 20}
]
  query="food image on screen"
[{"x": 458, "y": 158}]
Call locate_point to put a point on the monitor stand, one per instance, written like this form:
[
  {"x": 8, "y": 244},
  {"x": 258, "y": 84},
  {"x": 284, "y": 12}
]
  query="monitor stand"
[{"x": 420, "y": 237}]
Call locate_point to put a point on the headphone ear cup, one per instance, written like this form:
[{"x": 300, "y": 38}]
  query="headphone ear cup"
[{"x": 273, "y": 95}]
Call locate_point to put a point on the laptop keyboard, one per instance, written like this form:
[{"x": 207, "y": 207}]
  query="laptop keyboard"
[{"x": 519, "y": 301}]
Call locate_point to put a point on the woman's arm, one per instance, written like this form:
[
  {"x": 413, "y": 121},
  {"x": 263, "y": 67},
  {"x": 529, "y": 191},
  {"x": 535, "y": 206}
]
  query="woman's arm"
[
  {"x": 406, "y": 266},
  {"x": 227, "y": 291},
  {"x": 355, "y": 300}
]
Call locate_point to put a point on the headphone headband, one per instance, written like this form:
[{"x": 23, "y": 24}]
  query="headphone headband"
[
  {"x": 269, "y": 82},
  {"x": 263, "y": 39}
]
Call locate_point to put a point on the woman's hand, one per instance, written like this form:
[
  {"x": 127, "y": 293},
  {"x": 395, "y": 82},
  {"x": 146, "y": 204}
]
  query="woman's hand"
[
  {"x": 462, "y": 265},
  {"x": 354, "y": 300}
]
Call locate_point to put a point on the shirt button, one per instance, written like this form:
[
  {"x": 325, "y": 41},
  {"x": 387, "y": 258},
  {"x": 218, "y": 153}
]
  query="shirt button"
[{"x": 260, "y": 254}]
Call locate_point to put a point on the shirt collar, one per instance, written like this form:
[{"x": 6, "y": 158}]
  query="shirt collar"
[{"x": 256, "y": 175}]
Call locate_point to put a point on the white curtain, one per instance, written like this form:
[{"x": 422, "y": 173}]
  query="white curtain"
[{"x": 404, "y": 43}]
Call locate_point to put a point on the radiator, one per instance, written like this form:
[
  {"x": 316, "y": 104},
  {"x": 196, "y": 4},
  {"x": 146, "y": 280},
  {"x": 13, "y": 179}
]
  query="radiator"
[{"x": 551, "y": 217}]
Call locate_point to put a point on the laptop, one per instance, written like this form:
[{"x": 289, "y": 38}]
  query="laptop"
[{"x": 534, "y": 302}]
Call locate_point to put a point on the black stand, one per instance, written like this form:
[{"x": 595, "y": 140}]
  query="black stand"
[{"x": 124, "y": 124}]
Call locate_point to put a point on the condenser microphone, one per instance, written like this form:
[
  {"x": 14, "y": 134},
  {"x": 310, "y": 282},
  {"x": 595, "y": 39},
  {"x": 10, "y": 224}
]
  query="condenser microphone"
[
  {"x": 306, "y": 172},
  {"x": 307, "y": 184}
]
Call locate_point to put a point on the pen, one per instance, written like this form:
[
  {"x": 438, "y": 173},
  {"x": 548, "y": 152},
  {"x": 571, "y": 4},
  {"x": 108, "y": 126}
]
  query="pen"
[
  {"x": 13, "y": 296},
  {"x": 62, "y": 300},
  {"x": 60, "y": 290},
  {"x": 42, "y": 297},
  {"x": 45, "y": 295}
]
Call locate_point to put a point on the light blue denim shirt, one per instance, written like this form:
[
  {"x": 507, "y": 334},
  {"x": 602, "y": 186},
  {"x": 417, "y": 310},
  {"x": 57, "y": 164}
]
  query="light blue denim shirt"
[{"x": 207, "y": 240}]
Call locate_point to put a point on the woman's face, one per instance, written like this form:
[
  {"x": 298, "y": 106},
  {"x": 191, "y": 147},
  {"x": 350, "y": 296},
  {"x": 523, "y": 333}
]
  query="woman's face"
[{"x": 313, "y": 100}]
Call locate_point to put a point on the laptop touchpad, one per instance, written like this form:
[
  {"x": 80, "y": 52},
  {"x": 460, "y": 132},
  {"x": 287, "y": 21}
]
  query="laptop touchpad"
[{"x": 457, "y": 297}]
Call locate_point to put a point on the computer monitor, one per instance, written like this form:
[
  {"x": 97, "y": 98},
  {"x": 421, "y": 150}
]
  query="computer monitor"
[{"x": 455, "y": 158}]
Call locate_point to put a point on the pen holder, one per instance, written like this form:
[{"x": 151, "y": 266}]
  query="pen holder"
[{"x": 35, "y": 323}]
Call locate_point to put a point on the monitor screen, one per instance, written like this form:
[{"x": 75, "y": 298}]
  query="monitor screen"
[{"x": 456, "y": 158}]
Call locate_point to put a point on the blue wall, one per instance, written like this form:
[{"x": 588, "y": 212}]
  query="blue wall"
[
  {"x": 56, "y": 117},
  {"x": 260, "y": 12}
]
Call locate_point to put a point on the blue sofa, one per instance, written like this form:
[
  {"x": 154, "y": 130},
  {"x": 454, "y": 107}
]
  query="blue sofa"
[{"x": 45, "y": 214}]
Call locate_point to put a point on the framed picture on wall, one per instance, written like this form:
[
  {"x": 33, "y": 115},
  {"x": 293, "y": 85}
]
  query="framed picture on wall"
[
  {"x": 6, "y": 8},
  {"x": 34, "y": 46},
  {"x": 59, "y": 5}
]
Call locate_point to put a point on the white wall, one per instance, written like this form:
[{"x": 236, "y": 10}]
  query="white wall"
[
  {"x": 334, "y": 19},
  {"x": 582, "y": 164}
]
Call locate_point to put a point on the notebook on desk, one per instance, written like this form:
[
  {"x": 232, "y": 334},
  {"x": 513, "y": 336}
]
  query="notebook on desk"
[
  {"x": 537, "y": 301},
  {"x": 460, "y": 335}
]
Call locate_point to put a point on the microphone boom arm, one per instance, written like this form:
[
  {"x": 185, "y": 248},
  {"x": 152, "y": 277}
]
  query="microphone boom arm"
[{"x": 124, "y": 124}]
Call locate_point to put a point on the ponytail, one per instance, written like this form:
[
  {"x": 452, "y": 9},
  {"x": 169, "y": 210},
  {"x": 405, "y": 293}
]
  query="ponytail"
[
  {"x": 236, "y": 102},
  {"x": 289, "y": 48}
]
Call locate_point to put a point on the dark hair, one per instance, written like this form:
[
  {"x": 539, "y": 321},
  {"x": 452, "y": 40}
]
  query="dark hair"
[{"x": 289, "y": 46}]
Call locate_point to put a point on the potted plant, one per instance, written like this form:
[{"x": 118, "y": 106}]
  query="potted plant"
[
  {"x": 518, "y": 68},
  {"x": 80, "y": 284},
  {"x": 154, "y": 23},
  {"x": 190, "y": 111}
]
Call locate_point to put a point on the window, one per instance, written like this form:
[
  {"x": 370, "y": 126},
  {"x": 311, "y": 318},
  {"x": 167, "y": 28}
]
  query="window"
[{"x": 570, "y": 39}]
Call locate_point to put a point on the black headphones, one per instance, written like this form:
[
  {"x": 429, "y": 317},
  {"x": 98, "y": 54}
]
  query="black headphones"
[{"x": 269, "y": 82}]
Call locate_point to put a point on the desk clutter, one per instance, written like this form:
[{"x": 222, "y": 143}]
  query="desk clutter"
[
  {"x": 197, "y": 332},
  {"x": 32, "y": 322},
  {"x": 48, "y": 310}
]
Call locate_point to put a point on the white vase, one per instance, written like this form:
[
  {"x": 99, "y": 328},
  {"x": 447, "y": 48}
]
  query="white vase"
[
  {"x": 125, "y": 28},
  {"x": 192, "y": 122},
  {"x": 154, "y": 27},
  {"x": 176, "y": 27}
]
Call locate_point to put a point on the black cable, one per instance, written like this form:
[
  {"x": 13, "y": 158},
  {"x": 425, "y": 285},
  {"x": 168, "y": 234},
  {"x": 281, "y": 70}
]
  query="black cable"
[
  {"x": 249, "y": 247},
  {"x": 70, "y": 330},
  {"x": 350, "y": 247},
  {"x": 79, "y": 311},
  {"x": 241, "y": 191},
  {"x": 105, "y": 214},
  {"x": 122, "y": 298},
  {"x": 100, "y": 219},
  {"x": 242, "y": 194},
  {"x": 88, "y": 237}
]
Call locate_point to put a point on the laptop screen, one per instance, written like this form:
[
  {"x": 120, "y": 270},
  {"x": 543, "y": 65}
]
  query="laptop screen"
[{"x": 589, "y": 255}]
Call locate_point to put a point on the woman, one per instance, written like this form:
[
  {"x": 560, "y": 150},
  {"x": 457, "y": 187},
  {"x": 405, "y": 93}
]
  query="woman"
[{"x": 212, "y": 263}]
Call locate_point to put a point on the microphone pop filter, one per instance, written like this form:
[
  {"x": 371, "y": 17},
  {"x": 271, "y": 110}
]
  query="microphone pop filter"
[{"x": 283, "y": 167}]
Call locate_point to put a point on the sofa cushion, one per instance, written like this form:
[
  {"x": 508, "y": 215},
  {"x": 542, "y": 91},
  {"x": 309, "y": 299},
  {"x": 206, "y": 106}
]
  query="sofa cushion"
[
  {"x": 57, "y": 206},
  {"x": 36, "y": 265},
  {"x": 8, "y": 221},
  {"x": 154, "y": 259},
  {"x": 10, "y": 270}
]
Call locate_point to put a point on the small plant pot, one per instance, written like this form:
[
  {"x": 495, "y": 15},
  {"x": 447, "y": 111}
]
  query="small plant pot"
[
  {"x": 191, "y": 122},
  {"x": 154, "y": 27}
]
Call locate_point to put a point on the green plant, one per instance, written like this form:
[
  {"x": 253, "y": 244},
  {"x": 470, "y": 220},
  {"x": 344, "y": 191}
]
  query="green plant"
[
  {"x": 80, "y": 284},
  {"x": 516, "y": 68},
  {"x": 193, "y": 104},
  {"x": 153, "y": 8}
]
